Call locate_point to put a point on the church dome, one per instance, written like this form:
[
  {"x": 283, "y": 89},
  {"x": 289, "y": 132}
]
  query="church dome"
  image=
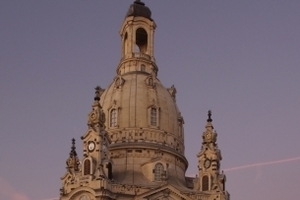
[{"x": 138, "y": 101}]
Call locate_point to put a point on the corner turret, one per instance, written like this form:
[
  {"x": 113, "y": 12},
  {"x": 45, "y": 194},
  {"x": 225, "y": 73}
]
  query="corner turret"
[
  {"x": 95, "y": 169},
  {"x": 137, "y": 35},
  {"x": 209, "y": 177}
]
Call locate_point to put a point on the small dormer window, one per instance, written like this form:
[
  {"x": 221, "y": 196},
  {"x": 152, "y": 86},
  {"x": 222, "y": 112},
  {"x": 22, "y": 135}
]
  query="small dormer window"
[
  {"x": 151, "y": 81},
  {"x": 118, "y": 82}
]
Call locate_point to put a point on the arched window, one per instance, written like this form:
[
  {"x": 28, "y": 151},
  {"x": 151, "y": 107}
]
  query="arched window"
[
  {"x": 143, "y": 68},
  {"x": 87, "y": 167},
  {"x": 158, "y": 172},
  {"x": 153, "y": 117},
  {"x": 205, "y": 183},
  {"x": 113, "y": 118},
  {"x": 109, "y": 170}
]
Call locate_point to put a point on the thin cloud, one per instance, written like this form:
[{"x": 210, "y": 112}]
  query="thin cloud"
[
  {"x": 11, "y": 193},
  {"x": 262, "y": 164},
  {"x": 52, "y": 199}
]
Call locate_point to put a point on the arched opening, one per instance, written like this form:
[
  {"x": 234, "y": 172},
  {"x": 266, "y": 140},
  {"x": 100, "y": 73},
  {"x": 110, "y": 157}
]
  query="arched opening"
[
  {"x": 158, "y": 172},
  {"x": 141, "y": 40},
  {"x": 87, "y": 167},
  {"x": 205, "y": 183},
  {"x": 109, "y": 170}
]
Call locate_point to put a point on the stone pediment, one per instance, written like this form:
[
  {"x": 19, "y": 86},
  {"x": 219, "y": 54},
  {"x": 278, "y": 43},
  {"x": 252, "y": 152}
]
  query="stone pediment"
[
  {"x": 166, "y": 192},
  {"x": 90, "y": 133}
]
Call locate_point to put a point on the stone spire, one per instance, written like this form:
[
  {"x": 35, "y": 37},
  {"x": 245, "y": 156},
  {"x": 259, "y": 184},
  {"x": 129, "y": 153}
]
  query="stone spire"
[
  {"x": 96, "y": 118},
  {"x": 73, "y": 161}
]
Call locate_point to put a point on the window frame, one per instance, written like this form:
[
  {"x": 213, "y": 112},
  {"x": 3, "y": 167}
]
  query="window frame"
[
  {"x": 113, "y": 117},
  {"x": 153, "y": 116},
  {"x": 87, "y": 167},
  {"x": 205, "y": 182},
  {"x": 158, "y": 172}
]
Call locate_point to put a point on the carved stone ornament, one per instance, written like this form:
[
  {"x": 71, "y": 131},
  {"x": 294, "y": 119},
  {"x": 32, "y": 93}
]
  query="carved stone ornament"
[
  {"x": 166, "y": 193},
  {"x": 172, "y": 91},
  {"x": 73, "y": 161},
  {"x": 119, "y": 81},
  {"x": 99, "y": 90},
  {"x": 95, "y": 117}
]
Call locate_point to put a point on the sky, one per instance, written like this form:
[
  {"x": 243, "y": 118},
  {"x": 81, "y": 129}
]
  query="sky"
[{"x": 238, "y": 58}]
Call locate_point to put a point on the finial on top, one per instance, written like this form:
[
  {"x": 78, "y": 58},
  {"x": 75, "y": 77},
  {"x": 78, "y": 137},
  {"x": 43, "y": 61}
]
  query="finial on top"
[
  {"x": 73, "y": 161},
  {"x": 209, "y": 116},
  {"x": 73, "y": 149},
  {"x": 97, "y": 93},
  {"x": 139, "y": 2},
  {"x": 139, "y": 9}
]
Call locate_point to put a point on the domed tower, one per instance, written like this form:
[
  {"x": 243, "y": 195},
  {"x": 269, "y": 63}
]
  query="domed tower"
[
  {"x": 143, "y": 121},
  {"x": 133, "y": 148}
]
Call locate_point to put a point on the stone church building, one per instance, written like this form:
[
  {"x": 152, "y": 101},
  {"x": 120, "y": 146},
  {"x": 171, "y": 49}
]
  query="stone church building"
[{"x": 134, "y": 144}]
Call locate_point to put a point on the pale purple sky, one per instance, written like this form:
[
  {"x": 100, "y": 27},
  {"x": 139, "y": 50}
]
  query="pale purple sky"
[{"x": 239, "y": 58}]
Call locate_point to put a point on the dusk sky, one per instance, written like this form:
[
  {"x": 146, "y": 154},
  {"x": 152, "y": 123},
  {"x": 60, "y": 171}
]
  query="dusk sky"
[{"x": 241, "y": 59}]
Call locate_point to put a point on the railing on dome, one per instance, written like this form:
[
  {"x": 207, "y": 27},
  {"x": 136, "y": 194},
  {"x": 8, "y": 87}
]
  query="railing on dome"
[
  {"x": 137, "y": 55},
  {"x": 141, "y": 55}
]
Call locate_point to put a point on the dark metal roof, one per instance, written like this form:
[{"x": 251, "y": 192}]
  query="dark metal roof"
[{"x": 138, "y": 8}]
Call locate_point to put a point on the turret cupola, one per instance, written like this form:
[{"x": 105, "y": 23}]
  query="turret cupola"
[{"x": 137, "y": 35}]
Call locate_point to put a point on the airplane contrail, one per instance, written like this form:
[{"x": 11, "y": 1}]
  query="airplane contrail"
[{"x": 262, "y": 164}]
